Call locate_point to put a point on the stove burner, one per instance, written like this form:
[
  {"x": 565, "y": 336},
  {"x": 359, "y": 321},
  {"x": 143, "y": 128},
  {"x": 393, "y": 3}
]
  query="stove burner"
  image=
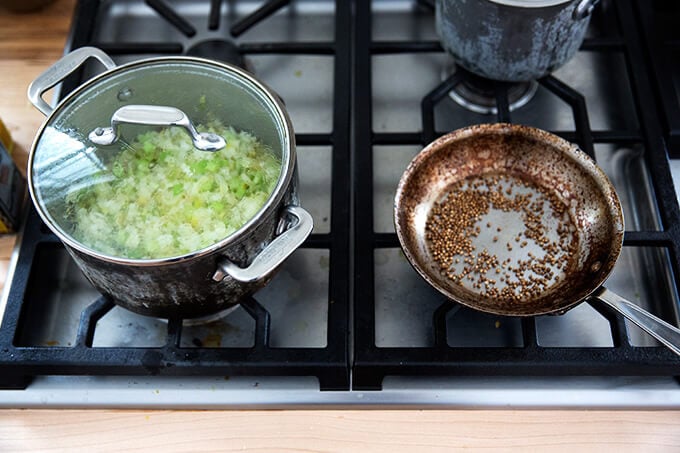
[
  {"x": 478, "y": 94},
  {"x": 218, "y": 49}
]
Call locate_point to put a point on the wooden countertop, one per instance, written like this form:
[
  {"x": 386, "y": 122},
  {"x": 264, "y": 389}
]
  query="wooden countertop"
[{"x": 31, "y": 42}]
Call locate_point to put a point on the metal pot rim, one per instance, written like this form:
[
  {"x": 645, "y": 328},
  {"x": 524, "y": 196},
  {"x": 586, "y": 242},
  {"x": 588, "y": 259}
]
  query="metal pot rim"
[
  {"x": 271, "y": 205},
  {"x": 530, "y": 3}
]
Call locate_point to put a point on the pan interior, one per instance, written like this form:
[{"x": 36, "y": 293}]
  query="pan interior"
[
  {"x": 502, "y": 236},
  {"x": 509, "y": 223}
]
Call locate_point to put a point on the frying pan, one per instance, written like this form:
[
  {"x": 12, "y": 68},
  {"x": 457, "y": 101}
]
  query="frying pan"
[{"x": 578, "y": 217}]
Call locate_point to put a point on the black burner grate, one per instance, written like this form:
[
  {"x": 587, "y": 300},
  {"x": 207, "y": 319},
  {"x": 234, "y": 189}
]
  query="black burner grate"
[
  {"x": 659, "y": 20},
  {"x": 354, "y": 51},
  {"x": 373, "y": 362}
]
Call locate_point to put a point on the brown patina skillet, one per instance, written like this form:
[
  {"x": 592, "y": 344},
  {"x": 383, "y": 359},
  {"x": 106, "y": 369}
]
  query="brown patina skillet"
[{"x": 541, "y": 163}]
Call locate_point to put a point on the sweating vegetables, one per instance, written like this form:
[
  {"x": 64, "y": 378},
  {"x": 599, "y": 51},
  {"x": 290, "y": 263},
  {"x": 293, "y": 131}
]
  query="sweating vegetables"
[{"x": 160, "y": 197}]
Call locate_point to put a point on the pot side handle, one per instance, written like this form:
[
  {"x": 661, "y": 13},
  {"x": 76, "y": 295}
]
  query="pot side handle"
[
  {"x": 583, "y": 9},
  {"x": 659, "y": 329},
  {"x": 273, "y": 254},
  {"x": 59, "y": 71}
]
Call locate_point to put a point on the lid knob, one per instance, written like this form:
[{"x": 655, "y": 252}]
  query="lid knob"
[{"x": 155, "y": 115}]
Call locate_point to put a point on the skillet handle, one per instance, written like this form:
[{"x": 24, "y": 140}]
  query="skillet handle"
[
  {"x": 59, "y": 71},
  {"x": 273, "y": 254},
  {"x": 659, "y": 329}
]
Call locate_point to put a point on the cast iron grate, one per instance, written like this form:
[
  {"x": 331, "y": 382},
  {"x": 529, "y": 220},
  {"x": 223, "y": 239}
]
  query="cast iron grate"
[
  {"x": 373, "y": 362},
  {"x": 330, "y": 364},
  {"x": 354, "y": 52},
  {"x": 659, "y": 25}
]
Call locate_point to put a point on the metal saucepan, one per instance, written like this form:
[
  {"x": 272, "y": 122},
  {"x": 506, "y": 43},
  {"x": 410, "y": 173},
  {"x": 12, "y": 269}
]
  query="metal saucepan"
[
  {"x": 74, "y": 149},
  {"x": 513, "y": 220},
  {"x": 512, "y": 40}
]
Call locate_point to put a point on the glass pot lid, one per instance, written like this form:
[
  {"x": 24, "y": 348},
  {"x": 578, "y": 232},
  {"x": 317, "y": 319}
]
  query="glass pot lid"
[{"x": 161, "y": 158}]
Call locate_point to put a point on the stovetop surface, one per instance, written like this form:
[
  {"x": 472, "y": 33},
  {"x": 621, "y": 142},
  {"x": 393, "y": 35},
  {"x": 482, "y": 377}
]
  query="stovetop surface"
[{"x": 347, "y": 320}]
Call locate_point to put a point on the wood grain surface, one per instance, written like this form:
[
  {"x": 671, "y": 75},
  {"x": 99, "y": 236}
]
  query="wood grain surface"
[
  {"x": 29, "y": 43},
  {"x": 317, "y": 431}
]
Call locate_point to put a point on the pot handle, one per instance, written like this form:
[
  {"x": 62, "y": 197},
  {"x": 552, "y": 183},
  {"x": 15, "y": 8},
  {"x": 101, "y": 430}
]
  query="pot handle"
[
  {"x": 583, "y": 9},
  {"x": 155, "y": 115},
  {"x": 273, "y": 254},
  {"x": 659, "y": 329},
  {"x": 59, "y": 71}
]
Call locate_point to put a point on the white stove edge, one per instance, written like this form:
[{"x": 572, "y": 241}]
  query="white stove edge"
[{"x": 273, "y": 393}]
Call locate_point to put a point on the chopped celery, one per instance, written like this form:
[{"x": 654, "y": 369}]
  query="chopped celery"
[{"x": 168, "y": 199}]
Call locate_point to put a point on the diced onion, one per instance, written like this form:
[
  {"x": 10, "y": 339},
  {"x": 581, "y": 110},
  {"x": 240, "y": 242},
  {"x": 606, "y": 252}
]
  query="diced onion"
[{"x": 161, "y": 197}]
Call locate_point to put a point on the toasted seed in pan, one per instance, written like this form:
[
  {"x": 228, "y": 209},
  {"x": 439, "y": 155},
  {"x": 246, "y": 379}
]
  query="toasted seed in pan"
[{"x": 532, "y": 254}]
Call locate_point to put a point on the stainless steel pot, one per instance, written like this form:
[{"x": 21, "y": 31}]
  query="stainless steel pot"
[
  {"x": 512, "y": 40},
  {"x": 165, "y": 91}
]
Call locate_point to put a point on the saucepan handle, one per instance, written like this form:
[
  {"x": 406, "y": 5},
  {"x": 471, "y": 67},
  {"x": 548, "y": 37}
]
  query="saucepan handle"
[
  {"x": 274, "y": 254},
  {"x": 59, "y": 71},
  {"x": 583, "y": 9},
  {"x": 154, "y": 115},
  {"x": 658, "y": 328}
]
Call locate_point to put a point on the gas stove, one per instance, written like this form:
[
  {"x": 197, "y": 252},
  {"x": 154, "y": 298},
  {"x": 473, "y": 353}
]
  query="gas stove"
[{"x": 347, "y": 321}]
